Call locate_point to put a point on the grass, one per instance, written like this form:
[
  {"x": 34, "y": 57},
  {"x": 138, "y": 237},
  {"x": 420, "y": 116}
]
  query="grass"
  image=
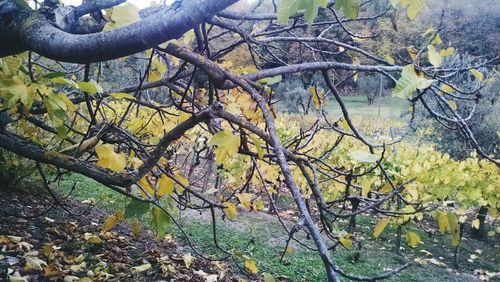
[
  {"x": 390, "y": 107},
  {"x": 257, "y": 242}
]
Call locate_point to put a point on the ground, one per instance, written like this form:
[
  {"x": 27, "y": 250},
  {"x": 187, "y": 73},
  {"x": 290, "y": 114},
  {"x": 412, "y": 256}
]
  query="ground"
[
  {"x": 60, "y": 245},
  {"x": 259, "y": 235}
]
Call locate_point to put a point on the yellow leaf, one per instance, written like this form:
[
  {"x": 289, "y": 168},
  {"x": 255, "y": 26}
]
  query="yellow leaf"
[
  {"x": 136, "y": 228},
  {"x": 251, "y": 266},
  {"x": 379, "y": 228},
  {"x": 345, "y": 124},
  {"x": 453, "y": 105},
  {"x": 346, "y": 241},
  {"x": 183, "y": 180},
  {"x": 33, "y": 262},
  {"x": 317, "y": 97},
  {"x": 259, "y": 205},
  {"x": 107, "y": 158},
  {"x": 120, "y": 16},
  {"x": 230, "y": 210},
  {"x": 184, "y": 116},
  {"x": 78, "y": 149},
  {"x": 147, "y": 189},
  {"x": 434, "y": 58},
  {"x": 356, "y": 62},
  {"x": 227, "y": 145},
  {"x": 429, "y": 31},
  {"x": 386, "y": 189},
  {"x": 157, "y": 70},
  {"x": 412, "y": 51},
  {"x": 454, "y": 228},
  {"x": 476, "y": 223},
  {"x": 121, "y": 95},
  {"x": 141, "y": 268},
  {"x": 92, "y": 239},
  {"x": 437, "y": 40},
  {"x": 188, "y": 37},
  {"x": 412, "y": 239},
  {"x": 268, "y": 277},
  {"x": 477, "y": 74},
  {"x": 390, "y": 59},
  {"x": 443, "y": 223},
  {"x": 447, "y": 52},
  {"x": 245, "y": 200},
  {"x": 165, "y": 186},
  {"x": 188, "y": 259},
  {"x": 414, "y": 8},
  {"x": 365, "y": 187},
  {"x": 134, "y": 162},
  {"x": 447, "y": 89},
  {"x": 260, "y": 152},
  {"x": 112, "y": 221}
]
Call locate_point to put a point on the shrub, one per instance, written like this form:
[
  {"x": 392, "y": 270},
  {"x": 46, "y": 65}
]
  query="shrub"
[{"x": 484, "y": 123}]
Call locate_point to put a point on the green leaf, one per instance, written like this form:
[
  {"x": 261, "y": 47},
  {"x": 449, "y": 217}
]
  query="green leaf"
[
  {"x": 159, "y": 221},
  {"x": 409, "y": 82},
  {"x": 63, "y": 80},
  {"x": 54, "y": 74},
  {"x": 363, "y": 156},
  {"x": 227, "y": 145},
  {"x": 350, "y": 8},
  {"x": 136, "y": 208},
  {"x": 272, "y": 80},
  {"x": 322, "y": 3},
  {"x": 90, "y": 87},
  {"x": 311, "y": 12},
  {"x": 268, "y": 277},
  {"x": 287, "y": 9}
]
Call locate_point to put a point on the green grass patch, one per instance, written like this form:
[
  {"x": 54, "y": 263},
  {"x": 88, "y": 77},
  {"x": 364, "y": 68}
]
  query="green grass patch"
[{"x": 389, "y": 107}]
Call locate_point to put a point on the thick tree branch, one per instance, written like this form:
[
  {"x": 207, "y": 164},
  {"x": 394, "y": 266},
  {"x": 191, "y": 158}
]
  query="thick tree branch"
[{"x": 23, "y": 32}]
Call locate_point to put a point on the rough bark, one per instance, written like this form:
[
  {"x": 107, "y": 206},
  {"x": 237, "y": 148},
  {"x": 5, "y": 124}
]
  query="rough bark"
[{"x": 24, "y": 29}]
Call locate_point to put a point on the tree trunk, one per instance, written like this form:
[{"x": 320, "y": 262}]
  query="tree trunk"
[{"x": 480, "y": 233}]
